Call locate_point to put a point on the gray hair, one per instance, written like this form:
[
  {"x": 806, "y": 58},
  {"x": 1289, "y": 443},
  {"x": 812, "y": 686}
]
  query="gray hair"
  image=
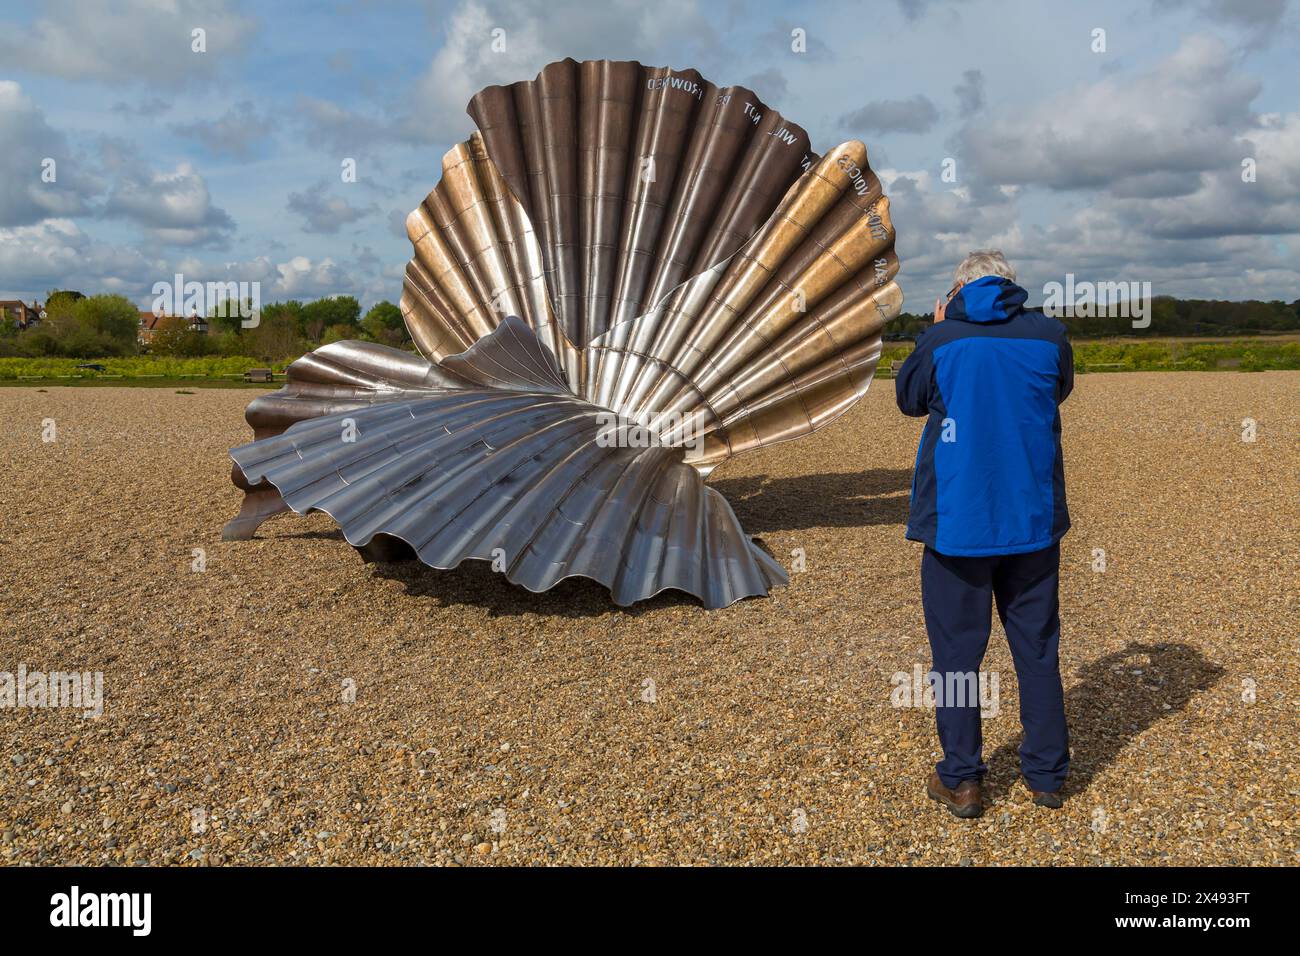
[{"x": 983, "y": 262}]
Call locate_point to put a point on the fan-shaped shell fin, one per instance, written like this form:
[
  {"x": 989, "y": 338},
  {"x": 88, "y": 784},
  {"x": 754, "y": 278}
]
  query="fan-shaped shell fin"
[
  {"x": 635, "y": 177},
  {"x": 776, "y": 341}
]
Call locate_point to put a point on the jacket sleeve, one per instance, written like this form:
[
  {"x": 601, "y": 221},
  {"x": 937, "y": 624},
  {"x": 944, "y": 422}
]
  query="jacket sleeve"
[
  {"x": 1066, "y": 384},
  {"x": 912, "y": 386}
]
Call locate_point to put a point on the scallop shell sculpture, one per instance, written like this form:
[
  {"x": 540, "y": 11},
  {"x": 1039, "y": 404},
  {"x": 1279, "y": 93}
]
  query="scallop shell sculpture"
[{"x": 626, "y": 276}]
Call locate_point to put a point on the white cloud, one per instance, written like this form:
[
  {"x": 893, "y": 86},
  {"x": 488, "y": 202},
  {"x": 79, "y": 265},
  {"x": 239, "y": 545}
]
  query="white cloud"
[
  {"x": 26, "y": 142},
  {"x": 938, "y": 223},
  {"x": 343, "y": 131},
  {"x": 538, "y": 32},
  {"x": 1186, "y": 115},
  {"x": 473, "y": 55},
  {"x": 323, "y": 212},
  {"x": 57, "y": 254},
  {"x": 1157, "y": 156},
  {"x": 237, "y": 133},
  {"x": 128, "y": 41},
  {"x": 913, "y": 115},
  {"x": 1261, "y": 21},
  {"x": 1225, "y": 204},
  {"x": 174, "y": 207},
  {"x": 300, "y": 277}
]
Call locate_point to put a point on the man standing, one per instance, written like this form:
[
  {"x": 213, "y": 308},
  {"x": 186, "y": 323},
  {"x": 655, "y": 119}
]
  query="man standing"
[{"x": 988, "y": 501}]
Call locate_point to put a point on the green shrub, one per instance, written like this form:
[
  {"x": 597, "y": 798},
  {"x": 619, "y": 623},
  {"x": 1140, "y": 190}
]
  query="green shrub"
[{"x": 130, "y": 367}]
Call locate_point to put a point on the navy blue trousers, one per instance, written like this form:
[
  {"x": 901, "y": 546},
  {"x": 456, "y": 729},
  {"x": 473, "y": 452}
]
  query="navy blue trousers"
[{"x": 957, "y": 594}]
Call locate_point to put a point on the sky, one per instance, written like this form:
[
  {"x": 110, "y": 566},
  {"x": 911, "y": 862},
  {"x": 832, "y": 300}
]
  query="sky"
[{"x": 1164, "y": 149}]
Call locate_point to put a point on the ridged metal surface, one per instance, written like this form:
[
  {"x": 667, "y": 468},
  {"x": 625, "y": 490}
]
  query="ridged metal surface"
[
  {"x": 587, "y": 195},
  {"x": 732, "y": 298},
  {"x": 775, "y": 342},
  {"x": 518, "y": 476},
  {"x": 476, "y": 260},
  {"x": 636, "y": 178}
]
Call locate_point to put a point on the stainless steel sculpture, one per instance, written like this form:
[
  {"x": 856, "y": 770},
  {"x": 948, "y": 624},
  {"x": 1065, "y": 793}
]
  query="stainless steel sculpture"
[{"x": 625, "y": 276}]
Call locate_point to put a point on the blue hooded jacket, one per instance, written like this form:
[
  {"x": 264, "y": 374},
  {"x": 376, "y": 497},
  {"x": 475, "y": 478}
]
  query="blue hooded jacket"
[{"x": 989, "y": 477}]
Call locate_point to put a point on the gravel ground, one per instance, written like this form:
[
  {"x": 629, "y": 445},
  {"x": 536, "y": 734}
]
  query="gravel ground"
[{"x": 491, "y": 725}]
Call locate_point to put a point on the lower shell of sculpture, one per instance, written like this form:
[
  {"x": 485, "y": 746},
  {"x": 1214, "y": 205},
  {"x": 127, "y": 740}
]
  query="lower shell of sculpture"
[{"x": 436, "y": 462}]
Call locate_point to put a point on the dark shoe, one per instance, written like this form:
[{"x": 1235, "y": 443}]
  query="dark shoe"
[
  {"x": 1043, "y": 798},
  {"x": 964, "y": 801}
]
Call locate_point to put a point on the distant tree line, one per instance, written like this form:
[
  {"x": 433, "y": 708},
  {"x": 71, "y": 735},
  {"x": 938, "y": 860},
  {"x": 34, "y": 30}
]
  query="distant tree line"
[
  {"x": 1170, "y": 317},
  {"x": 106, "y": 326},
  {"x": 103, "y": 326}
]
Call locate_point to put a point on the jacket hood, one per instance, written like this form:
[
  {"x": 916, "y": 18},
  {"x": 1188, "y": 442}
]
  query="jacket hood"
[{"x": 987, "y": 299}]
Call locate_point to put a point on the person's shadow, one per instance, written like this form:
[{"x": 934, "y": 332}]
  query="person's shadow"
[{"x": 1120, "y": 695}]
